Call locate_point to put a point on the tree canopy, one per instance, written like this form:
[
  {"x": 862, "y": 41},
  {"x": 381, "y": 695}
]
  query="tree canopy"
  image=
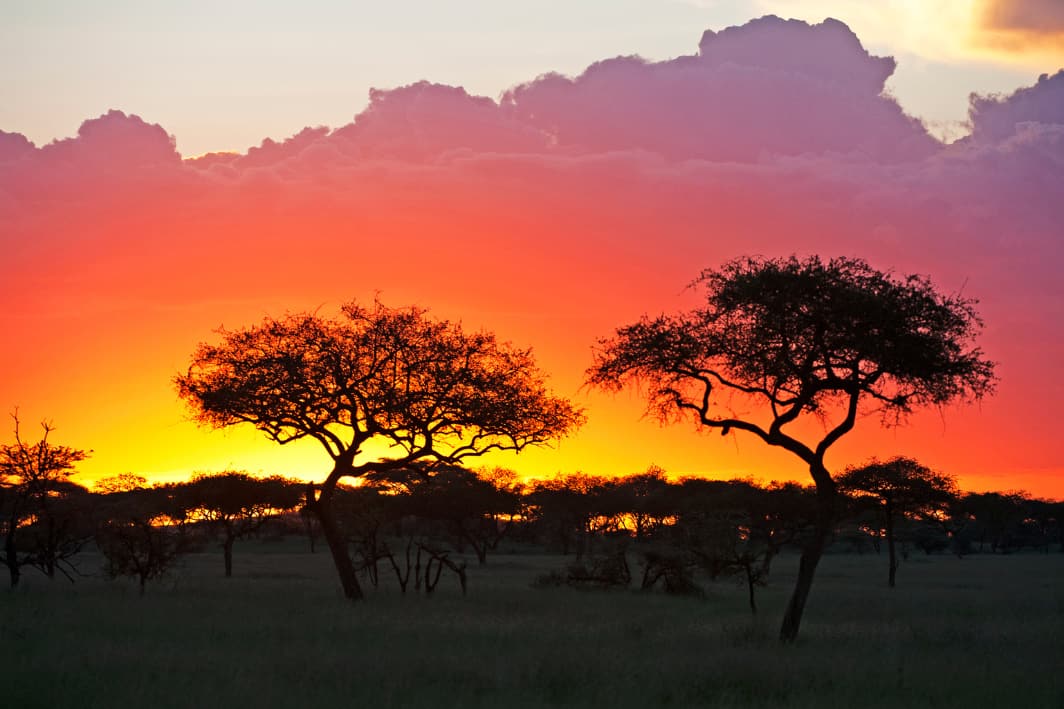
[
  {"x": 802, "y": 337},
  {"x": 423, "y": 386}
]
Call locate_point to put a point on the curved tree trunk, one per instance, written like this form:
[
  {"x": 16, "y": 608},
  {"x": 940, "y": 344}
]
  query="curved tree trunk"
[
  {"x": 811, "y": 553},
  {"x": 337, "y": 544},
  {"x": 345, "y": 568}
]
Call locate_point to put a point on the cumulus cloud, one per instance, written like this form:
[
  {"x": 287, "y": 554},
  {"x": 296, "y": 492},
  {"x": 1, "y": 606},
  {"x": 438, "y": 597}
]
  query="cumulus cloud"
[
  {"x": 997, "y": 118},
  {"x": 565, "y": 209},
  {"x": 116, "y": 141},
  {"x": 424, "y": 120},
  {"x": 770, "y": 87},
  {"x": 14, "y": 146}
]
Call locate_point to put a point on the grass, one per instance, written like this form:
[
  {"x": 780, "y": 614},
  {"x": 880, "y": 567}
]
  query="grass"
[{"x": 985, "y": 631}]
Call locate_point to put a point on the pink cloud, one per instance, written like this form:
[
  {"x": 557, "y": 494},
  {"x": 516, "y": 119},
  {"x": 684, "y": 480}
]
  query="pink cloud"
[
  {"x": 995, "y": 118},
  {"x": 771, "y": 87},
  {"x": 14, "y": 146},
  {"x": 114, "y": 142},
  {"x": 423, "y": 120}
]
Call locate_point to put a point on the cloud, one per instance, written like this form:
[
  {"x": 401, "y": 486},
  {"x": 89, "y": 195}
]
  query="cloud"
[
  {"x": 116, "y": 141},
  {"x": 569, "y": 207},
  {"x": 424, "y": 120},
  {"x": 113, "y": 154},
  {"x": 997, "y": 118},
  {"x": 1036, "y": 16},
  {"x": 770, "y": 87},
  {"x": 1022, "y": 25},
  {"x": 14, "y": 146}
]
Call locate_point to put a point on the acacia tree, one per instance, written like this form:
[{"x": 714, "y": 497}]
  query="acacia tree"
[
  {"x": 796, "y": 339},
  {"x": 141, "y": 533},
  {"x": 34, "y": 482},
  {"x": 392, "y": 381},
  {"x": 903, "y": 487},
  {"x": 236, "y": 505}
]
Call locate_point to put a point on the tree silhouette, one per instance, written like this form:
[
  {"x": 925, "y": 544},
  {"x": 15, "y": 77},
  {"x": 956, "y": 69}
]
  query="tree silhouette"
[
  {"x": 470, "y": 507},
  {"x": 236, "y": 505},
  {"x": 903, "y": 488},
  {"x": 800, "y": 338},
  {"x": 562, "y": 509},
  {"x": 995, "y": 517},
  {"x": 142, "y": 532},
  {"x": 391, "y": 380},
  {"x": 649, "y": 499},
  {"x": 41, "y": 523}
]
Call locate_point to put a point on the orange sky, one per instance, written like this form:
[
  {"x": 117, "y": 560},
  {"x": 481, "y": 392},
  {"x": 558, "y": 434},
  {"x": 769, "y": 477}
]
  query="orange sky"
[{"x": 567, "y": 209}]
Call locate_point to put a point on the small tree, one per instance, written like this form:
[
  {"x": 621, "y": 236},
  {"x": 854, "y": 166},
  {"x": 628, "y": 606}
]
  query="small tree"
[
  {"x": 470, "y": 506},
  {"x": 903, "y": 488},
  {"x": 236, "y": 505},
  {"x": 377, "y": 388},
  {"x": 649, "y": 499},
  {"x": 562, "y": 510},
  {"x": 737, "y": 528},
  {"x": 795, "y": 339},
  {"x": 995, "y": 517},
  {"x": 40, "y": 522},
  {"x": 141, "y": 533}
]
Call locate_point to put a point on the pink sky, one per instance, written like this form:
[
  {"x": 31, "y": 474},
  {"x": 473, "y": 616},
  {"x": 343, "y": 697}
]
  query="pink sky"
[{"x": 569, "y": 206}]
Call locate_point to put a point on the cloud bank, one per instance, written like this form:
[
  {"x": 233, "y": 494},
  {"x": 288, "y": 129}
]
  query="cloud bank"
[{"x": 568, "y": 207}]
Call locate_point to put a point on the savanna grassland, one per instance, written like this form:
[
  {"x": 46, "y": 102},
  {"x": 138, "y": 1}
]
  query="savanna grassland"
[{"x": 983, "y": 631}]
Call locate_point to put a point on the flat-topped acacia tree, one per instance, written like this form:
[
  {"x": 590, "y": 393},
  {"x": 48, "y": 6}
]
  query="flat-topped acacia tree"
[
  {"x": 792, "y": 339},
  {"x": 900, "y": 487},
  {"x": 393, "y": 379}
]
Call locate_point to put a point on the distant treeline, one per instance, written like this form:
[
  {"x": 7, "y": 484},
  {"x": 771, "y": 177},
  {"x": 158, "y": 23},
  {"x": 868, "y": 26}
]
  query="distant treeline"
[{"x": 418, "y": 524}]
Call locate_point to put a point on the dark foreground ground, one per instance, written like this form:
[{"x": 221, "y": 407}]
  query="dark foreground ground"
[{"x": 984, "y": 631}]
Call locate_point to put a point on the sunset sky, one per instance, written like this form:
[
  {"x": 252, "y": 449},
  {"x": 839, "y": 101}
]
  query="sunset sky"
[{"x": 547, "y": 170}]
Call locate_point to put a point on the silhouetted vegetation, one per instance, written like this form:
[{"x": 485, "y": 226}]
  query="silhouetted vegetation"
[
  {"x": 142, "y": 532},
  {"x": 45, "y": 516},
  {"x": 418, "y": 524},
  {"x": 900, "y": 489},
  {"x": 800, "y": 339},
  {"x": 235, "y": 505},
  {"x": 425, "y": 388}
]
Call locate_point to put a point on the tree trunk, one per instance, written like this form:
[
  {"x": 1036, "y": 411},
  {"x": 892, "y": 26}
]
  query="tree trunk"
[
  {"x": 345, "y": 568},
  {"x": 811, "y": 553},
  {"x": 227, "y": 552},
  {"x": 50, "y": 550},
  {"x": 890, "y": 544},
  {"x": 308, "y": 525},
  {"x": 13, "y": 568},
  {"x": 10, "y": 552},
  {"x": 749, "y": 567}
]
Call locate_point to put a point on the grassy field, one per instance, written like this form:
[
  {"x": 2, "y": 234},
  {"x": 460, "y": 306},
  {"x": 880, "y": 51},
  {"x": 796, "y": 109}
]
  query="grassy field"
[{"x": 985, "y": 631}]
